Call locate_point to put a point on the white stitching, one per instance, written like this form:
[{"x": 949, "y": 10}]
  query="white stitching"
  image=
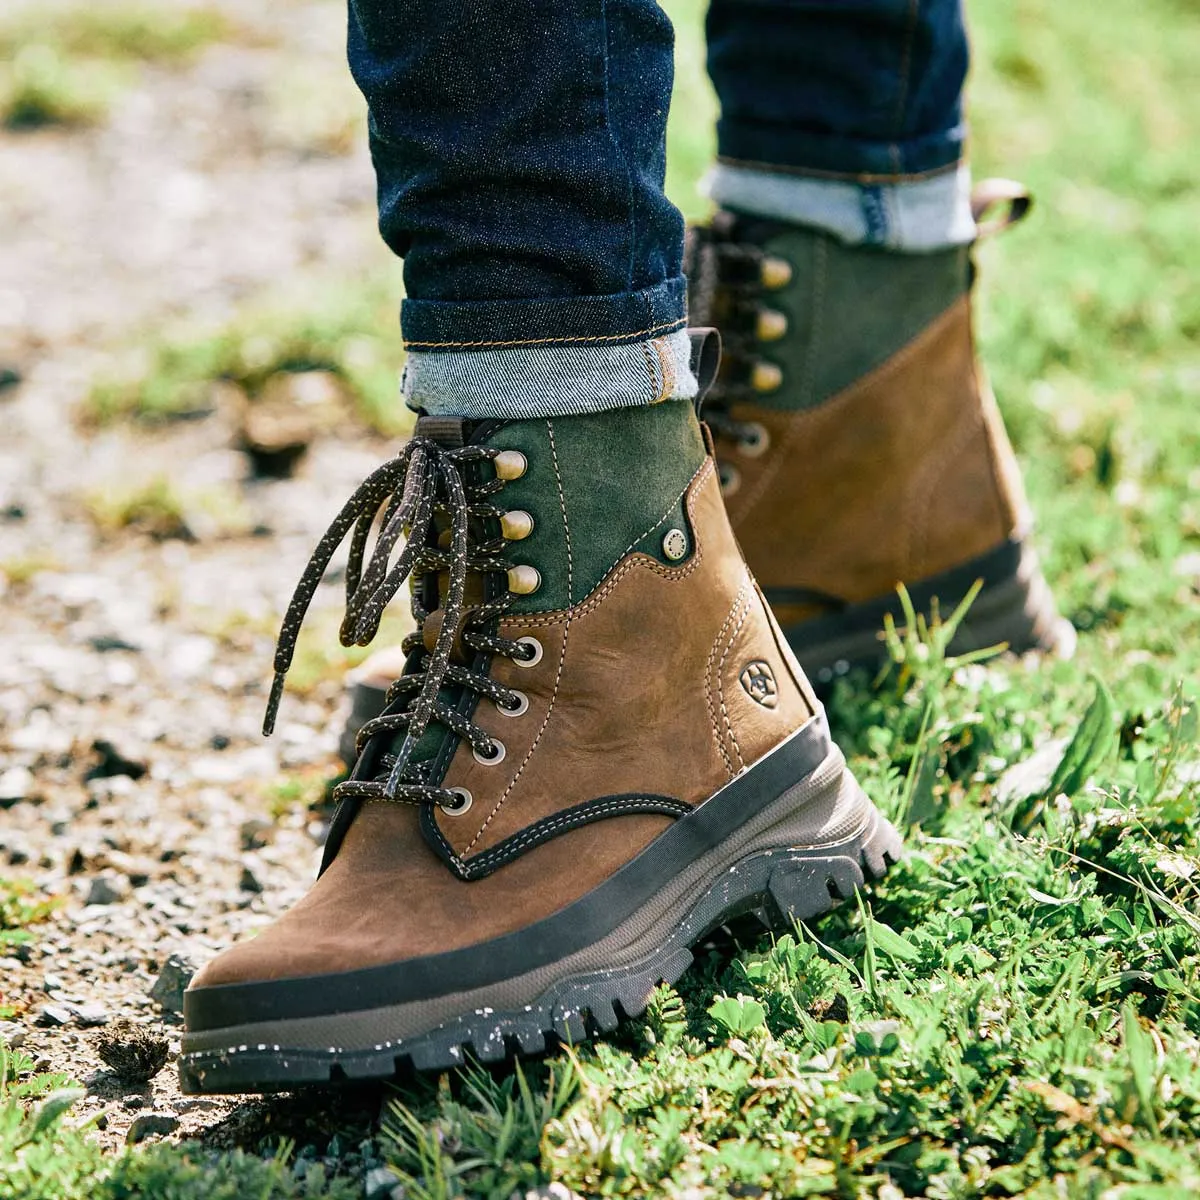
[
  {"x": 721, "y": 674},
  {"x": 708, "y": 678},
  {"x": 561, "y": 616}
]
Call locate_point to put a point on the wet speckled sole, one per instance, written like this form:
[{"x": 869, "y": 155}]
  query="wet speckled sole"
[{"x": 526, "y": 1015}]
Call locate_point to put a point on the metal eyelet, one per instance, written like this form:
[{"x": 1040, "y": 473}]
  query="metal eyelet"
[
  {"x": 730, "y": 477},
  {"x": 510, "y": 464},
  {"x": 535, "y": 657},
  {"x": 766, "y": 377},
  {"x": 465, "y": 800},
  {"x": 755, "y": 440},
  {"x": 516, "y": 524},
  {"x": 524, "y": 580},
  {"x": 770, "y": 325},
  {"x": 496, "y": 757},
  {"x": 775, "y": 273},
  {"x": 519, "y": 709}
]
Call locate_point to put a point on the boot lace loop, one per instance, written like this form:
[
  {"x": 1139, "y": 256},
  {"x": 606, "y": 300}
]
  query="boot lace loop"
[{"x": 405, "y": 496}]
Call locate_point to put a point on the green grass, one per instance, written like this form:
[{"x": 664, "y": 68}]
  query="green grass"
[
  {"x": 349, "y": 329},
  {"x": 65, "y": 64},
  {"x": 1015, "y": 1011}
]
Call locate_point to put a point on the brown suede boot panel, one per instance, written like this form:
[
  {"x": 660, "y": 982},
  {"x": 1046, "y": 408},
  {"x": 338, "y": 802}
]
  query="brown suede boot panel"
[
  {"x": 387, "y": 897},
  {"x": 904, "y": 474},
  {"x": 639, "y": 690}
]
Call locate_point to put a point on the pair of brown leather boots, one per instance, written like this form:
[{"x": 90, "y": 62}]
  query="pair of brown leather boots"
[{"x": 599, "y": 743}]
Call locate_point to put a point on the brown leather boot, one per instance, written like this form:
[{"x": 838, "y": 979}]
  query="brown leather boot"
[
  {"x": 601, "y": 749},
  {"x": 858, "y": 440}
]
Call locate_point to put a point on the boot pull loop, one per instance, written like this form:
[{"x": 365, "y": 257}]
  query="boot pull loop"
[
  {"x": 987, "y": 194},
  {"x": 705, "y": 360}
]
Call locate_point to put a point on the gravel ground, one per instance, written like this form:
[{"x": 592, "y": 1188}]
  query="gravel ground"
[{"x": 134, "y": 782}]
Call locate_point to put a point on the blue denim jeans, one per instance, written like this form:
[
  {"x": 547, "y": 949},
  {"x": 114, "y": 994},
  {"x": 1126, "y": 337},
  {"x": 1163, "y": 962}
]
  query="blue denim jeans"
[{"x": 520, "y": 155}]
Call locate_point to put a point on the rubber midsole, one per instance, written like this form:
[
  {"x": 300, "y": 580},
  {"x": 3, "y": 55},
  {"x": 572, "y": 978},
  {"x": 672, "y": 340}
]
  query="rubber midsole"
[
  {"x": 826, "y": 811},
  {"x": 1015, "y": 608}
]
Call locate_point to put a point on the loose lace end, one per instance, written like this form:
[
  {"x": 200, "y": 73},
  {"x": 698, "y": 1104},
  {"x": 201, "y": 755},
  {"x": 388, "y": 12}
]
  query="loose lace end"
[{"x": 273, "y": 702}]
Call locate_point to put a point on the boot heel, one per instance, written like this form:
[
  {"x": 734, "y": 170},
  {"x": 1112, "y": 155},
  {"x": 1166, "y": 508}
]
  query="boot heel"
[{"x": 805, "y": 883}]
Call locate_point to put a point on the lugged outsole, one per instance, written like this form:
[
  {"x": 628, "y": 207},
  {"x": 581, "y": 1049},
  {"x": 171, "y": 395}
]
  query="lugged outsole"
[{"x": 782, "y": 886}]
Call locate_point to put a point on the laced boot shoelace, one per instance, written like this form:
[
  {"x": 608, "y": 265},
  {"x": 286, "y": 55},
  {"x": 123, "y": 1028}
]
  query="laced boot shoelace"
[
  {"x": 729, "y": 281},
  {"x": 424, "y": 481}
]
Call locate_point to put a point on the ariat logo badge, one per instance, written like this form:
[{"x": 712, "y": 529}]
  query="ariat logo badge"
[{"x": 759, "y": 683}]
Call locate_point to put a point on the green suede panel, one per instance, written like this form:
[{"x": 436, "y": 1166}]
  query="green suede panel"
[
  {"x": 618, "y": 476},
  {"x": 849, "y": 309}
]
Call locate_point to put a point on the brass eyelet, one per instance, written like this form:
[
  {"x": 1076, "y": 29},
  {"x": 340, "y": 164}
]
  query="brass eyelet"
[
  {"x": 521, "y": 707},
  {"x": 535, "y": 657},
  {"x": 766, "y": 377},
  {"x": 496, "y": 757},
  {"x": 510, "y": 464},
  {"x": 465, "y": 800},
  {"x": 516, "y": 524},
  {"x": 775, "y": 273},
  {"x": 524, "y": 580},
  {"x": 770, "y": 325}
]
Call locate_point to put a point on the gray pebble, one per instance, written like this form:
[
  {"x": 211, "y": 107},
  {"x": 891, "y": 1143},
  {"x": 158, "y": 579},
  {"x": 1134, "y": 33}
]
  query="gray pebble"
[
  {"x": 108, "y": 889},
  {"x": 53, "y": 1014},
  {"x": 151, "y": 1125},
  {"x": 90, "y": 1015},
  {"x": 172, "y": 982}
]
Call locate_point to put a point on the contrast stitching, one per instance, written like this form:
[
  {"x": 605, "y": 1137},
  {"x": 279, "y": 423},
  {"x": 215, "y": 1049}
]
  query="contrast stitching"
[
  {"x": 562, "y": 504},
  {"x": 539, "y": 830},
  {"x": 841, "y": 176},
  {"x": 666, "y": 362},
  {"x": 721, "y": 677},
  {"x": 565, "y": 339},
  {"x": 560, "y": 616},
  {"x": 916, "y": 538},
  {"x": 708, "y": 680},
  {"x": 562, "y": 657}
]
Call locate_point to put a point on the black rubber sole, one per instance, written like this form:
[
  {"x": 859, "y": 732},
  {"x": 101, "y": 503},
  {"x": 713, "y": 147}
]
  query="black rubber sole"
[
  {"x": 1014, "y": 608},
  {"x": 757, "y": 871}
]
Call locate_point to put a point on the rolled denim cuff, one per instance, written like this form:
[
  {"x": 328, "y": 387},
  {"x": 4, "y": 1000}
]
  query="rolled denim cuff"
[
  {"x": 440, "y": 325},
  {"x": 918, "y": 215},
  {"x": 515, "y": 382}
]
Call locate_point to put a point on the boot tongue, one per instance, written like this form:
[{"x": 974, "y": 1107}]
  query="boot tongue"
[{"x": 448, "y": 432}]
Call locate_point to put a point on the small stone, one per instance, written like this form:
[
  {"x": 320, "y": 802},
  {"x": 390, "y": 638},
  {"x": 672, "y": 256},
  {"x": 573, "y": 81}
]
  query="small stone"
[
  {"x": 111, "y": 761},
  {"x": 12, "y": 1035},
  {"x": 53, "y": 1014},
  {"x": 90, "y": 1015},
  {"x": 104, "y": 643},
  {"x": 16, "y": 784},
  {"x": 249, "y": 882},
  {"x": 134, "y": 1102},
  {"x": 52, "y": 982},
  {"x": 135, "y": 1053},
  {"x": 108, "y": 888},
  {"x": 172, "y": 982},
  {"x": 255, "y": 833},
  {"x": 154, "y": 1124}
]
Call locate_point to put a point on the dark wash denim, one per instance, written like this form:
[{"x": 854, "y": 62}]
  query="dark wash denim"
[
  {"x": 869, "y": 90},
  {"x": 520, "y": 147}
]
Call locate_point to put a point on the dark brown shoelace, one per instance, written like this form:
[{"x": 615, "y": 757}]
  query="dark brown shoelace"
[
  {"x": 423, "y": 482},
  {"x": 725, "y": 290}
]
